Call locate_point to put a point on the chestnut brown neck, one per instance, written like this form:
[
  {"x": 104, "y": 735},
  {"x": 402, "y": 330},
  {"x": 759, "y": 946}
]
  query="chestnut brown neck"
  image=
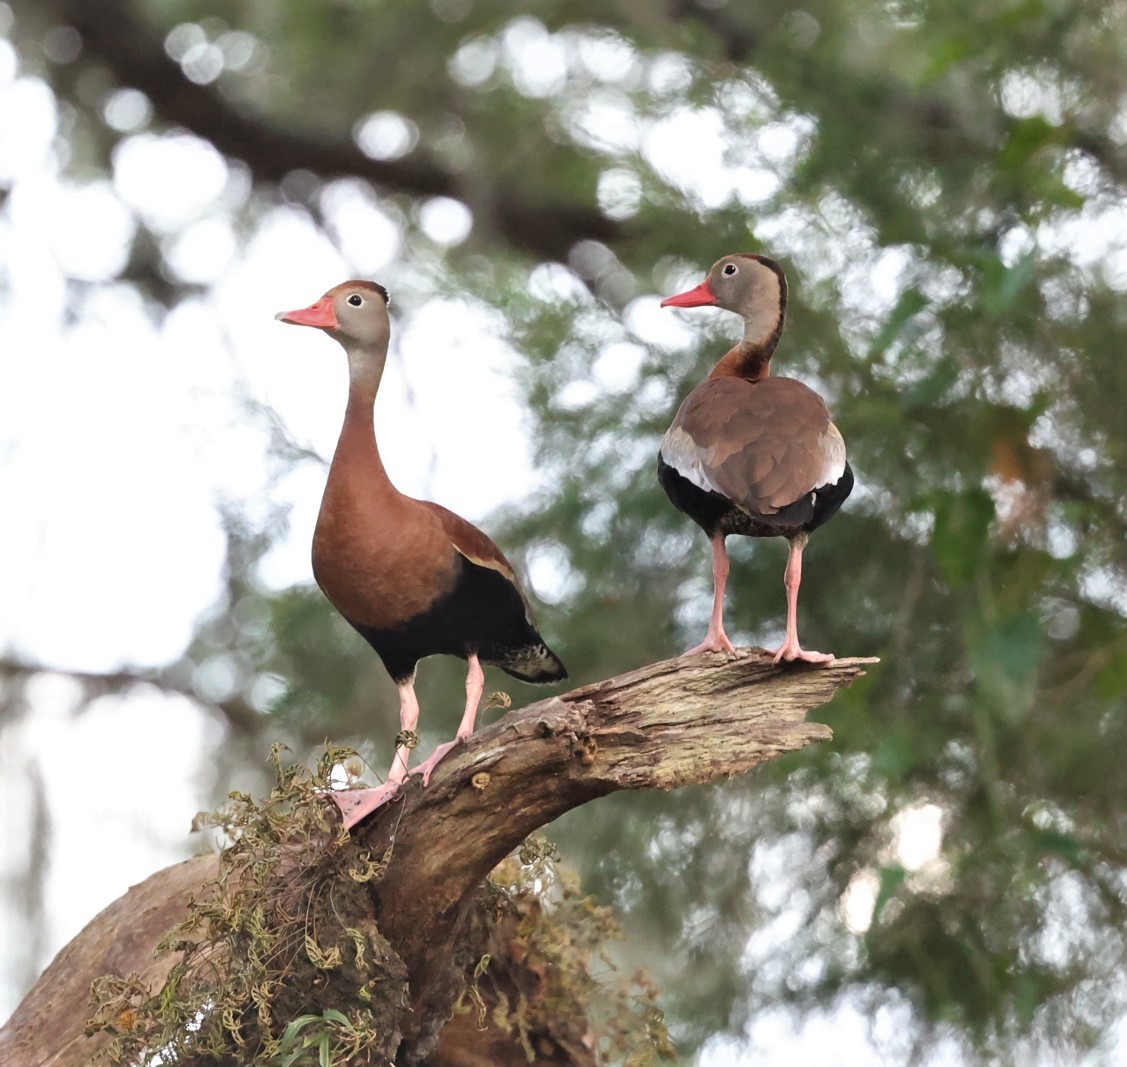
[
  {"x": 764, "y": 312},
  {"x": 747, "y": 360},
  {"x": 357, "y": 457}
]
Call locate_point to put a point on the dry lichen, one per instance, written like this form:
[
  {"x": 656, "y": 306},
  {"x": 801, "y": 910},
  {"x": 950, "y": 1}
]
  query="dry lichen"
[
  {"x": 280, "y": 961},
  {"x": 282, "y": 964},
  {"x": 543, "y": 974}
]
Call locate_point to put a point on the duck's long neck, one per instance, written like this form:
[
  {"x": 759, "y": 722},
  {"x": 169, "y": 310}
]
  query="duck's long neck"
[
  {"x": 358, "y": 454},
  {"x": 749, "y": 359},
  {"x": 764, "y": 318}
]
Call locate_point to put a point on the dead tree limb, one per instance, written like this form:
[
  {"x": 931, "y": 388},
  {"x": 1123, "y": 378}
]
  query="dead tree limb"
[{"x": 675, "y": 723}]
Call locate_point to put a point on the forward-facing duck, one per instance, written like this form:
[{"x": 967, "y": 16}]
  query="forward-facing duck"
[{"x": 748, "y": 453}]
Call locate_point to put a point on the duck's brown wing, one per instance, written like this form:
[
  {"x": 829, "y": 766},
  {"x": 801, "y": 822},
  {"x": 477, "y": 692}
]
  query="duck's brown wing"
[
  {"x": 467, "y": 539},
  {"x": 762, "y": 445},
  {"x": 498, "y": 614}
]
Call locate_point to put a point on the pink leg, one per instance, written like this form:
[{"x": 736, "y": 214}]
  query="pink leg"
[
  {"x": 791, "y": 649},
  {"x": 475, "y": 686},
  {"x": 355, "y": 804},
  {"x": 717, "y": 640}
]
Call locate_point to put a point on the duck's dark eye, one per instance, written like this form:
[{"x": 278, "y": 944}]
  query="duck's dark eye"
[
  {"x": 355, "y": 300},
  {"x": 729, "y": 270}
]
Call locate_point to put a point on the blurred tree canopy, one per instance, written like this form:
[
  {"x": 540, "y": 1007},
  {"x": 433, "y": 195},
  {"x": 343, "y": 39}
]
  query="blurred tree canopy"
[{"x": 943, "y": 182}]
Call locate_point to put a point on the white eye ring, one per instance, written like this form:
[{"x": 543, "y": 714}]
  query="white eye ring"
[
  {"x": 729, "y": 269},
  {"x": 356, "y": 300}
]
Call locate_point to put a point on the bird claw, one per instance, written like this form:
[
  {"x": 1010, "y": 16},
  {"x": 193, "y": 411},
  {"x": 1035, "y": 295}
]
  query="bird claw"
[
  {"x": 714, "y": 643},
  {"x": 357, "y": 804},
  {"x": 426, "y": 768},
  {"x": 793, "y": 651}
]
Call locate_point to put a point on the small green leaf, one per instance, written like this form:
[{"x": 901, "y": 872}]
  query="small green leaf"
[
  {"x": 291, "y": 1032},
  {"x": 1053, "y": 841},
  {"x": 962, "y": 527},
  {"x": 891, "y": 879},
  {"x": 1008, "y": 286},
  {"x": 1027, "y": 136},
  {"x": 910, "y": 304}
]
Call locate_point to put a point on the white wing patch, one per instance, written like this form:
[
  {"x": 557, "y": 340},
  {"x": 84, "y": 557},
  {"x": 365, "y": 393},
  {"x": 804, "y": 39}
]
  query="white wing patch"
[
  {"x": 832, "y": 447},
  {"x": 687, "y": 458}
]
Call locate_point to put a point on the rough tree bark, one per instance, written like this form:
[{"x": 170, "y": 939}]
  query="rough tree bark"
[{"x": 675, "y": 723}]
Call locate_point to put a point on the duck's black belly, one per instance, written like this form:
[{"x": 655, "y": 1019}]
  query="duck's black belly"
[
  {"x": 484, "y": 614},
  {"x": 715, "y": 513}
]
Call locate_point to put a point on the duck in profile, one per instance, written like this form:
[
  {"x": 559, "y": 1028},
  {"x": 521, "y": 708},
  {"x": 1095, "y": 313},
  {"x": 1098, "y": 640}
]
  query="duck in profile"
[{"x": 411, "y": 577}]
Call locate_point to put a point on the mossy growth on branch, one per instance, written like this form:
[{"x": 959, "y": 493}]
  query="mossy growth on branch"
[
  {"x": 281, "y": 962},
  {"x": 543, "y": 974},
  {"x": 282, "y": 936}
]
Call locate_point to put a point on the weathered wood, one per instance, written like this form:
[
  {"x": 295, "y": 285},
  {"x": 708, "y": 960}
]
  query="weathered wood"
[
  {"x": 679, "y": 722},
  {"x": 46, "y": 1029}
]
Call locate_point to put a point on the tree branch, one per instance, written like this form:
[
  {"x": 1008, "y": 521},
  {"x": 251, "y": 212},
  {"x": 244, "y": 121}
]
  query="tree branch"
[
  {"x": 235, "y": 710},
  {"x": 47, "y": 1028},
  {"x": 675, "y": 723},
  {"x": 134, "y": 55}
]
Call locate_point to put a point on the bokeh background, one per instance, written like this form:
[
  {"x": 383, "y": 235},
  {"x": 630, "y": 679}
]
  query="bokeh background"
[{"x": 944, "y": 883}]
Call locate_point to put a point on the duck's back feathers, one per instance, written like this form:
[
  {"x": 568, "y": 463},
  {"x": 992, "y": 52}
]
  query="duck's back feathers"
[{"x": 758, "y": 454}]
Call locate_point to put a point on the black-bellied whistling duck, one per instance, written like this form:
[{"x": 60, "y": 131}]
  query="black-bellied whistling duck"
[
  {"x": 413, "y": 578},
  {"x": 751, "y": 454}
]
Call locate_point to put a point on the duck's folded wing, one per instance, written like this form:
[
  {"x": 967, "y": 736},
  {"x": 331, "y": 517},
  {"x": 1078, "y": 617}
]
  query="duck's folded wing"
[
  {"x": 763, "y": 445},
  {"x": 467, "y": 539}
]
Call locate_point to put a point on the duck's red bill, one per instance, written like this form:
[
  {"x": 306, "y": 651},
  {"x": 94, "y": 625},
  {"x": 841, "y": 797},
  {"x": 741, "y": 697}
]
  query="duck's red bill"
[
  {"x": 321, "y": 314},
  {"x": 697, "y": 297}
]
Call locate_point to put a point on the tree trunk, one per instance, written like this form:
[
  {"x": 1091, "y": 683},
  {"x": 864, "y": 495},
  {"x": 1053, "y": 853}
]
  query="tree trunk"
[{"x": 675, "y": 723}]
